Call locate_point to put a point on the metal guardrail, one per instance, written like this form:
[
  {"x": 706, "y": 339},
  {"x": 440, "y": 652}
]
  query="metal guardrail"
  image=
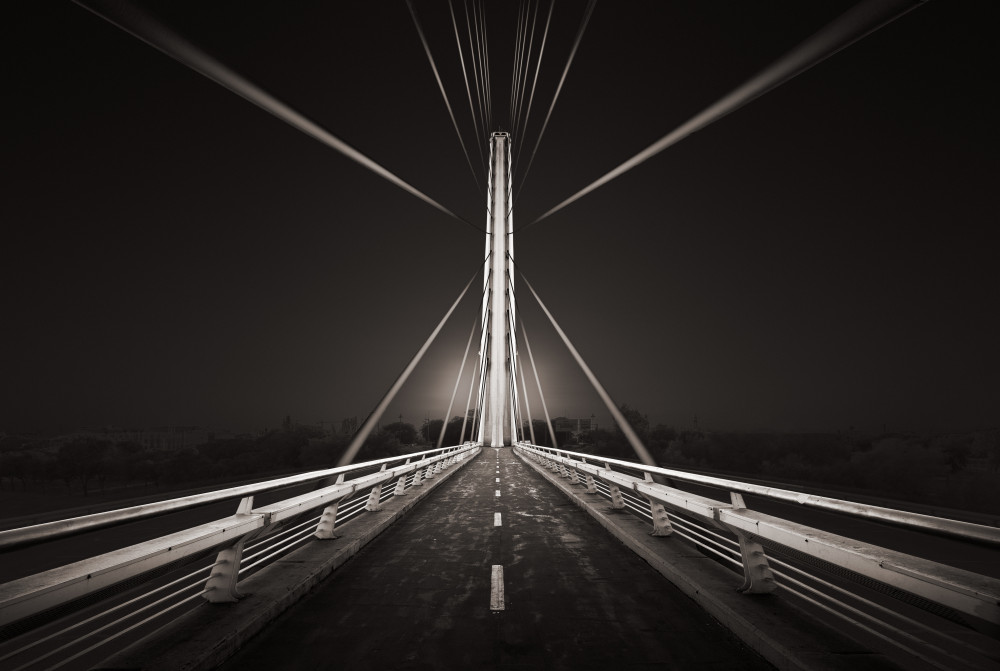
[
  {"x": 51, "y": 530},
  {"x": 955, "y": 528},
  {"x": 875, "y": 571},
  {"x": 37, "y": 595}
]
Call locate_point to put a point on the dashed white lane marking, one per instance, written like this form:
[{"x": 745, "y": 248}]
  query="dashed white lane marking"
[
  {"x": 496, "y": 588},
  {"x": 496, "y": 520},
  {"x": 498, "y": 492},
  {"x": 498, "y": 479}
]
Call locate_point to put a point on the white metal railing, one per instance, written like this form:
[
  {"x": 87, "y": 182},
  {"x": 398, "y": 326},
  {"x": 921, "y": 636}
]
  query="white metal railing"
[
  {"x": 249, "y": 539},
  {"x": 51, "y": 530},
  {"x": 965, "y": 530},
  {"x": 862, "y": 573}
]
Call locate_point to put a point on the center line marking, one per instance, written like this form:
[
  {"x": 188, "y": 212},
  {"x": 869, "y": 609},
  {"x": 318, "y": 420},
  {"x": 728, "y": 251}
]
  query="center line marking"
[
  {"x": 498, "y": 492},
  {"x": 498, "y": 479},
  {"x": 496, "y": 520},
  {"x": 496, "y": 588}
]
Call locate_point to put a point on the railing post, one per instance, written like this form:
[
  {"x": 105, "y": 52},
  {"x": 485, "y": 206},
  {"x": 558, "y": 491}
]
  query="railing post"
[
  {"x": 400, "y": 489},
  {"x": 374, "y": 503},
  {"x": 617, "y": 501},
  {"x": 416, "y": 477},
  {"x": 574, "y": 477},
  {"x": 221, "y": 585},
  {"x": 591, "y": 485},
  {"x": 661, "y": 523},
  {"x": 757, "y": 575},
  {"x": 328, "y": 520},
  {"x": 438, "y": 465}
]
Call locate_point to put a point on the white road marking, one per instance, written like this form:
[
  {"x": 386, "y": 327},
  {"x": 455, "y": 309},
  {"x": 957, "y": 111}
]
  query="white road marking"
[
  {"x": 496, "y": 588},
  {"x": 498, "y": 492},
  {"x": 496, "y": 520},
  {"x": 498, "y": 479}
]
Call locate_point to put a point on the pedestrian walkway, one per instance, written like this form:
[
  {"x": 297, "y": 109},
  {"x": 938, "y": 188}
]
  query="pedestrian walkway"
[{"x": 499, "y": 571}]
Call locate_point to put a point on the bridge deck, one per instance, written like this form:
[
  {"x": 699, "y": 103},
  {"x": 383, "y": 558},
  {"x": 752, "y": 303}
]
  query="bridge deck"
[{"x": 419, "y": 596}]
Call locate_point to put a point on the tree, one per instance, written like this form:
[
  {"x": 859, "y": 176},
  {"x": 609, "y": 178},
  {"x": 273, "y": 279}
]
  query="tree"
[
  {"x": 83, "y": 459},
  {"x": 404, "y": 433},
  {"x": 18, "y": 465},
  {"x": 430, "y": 431},
  {"x": 452, "y": 431},
  {"x": 638, "y": 422},
  {"x": 381, "y": 445},
  {"x": 659, "y": 440},
  {"x": 956, "y": 454}
]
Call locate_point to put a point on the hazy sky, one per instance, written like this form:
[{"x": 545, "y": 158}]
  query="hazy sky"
[{"x": 823, "y": 257}]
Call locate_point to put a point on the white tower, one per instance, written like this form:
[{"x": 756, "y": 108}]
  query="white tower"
[{"x": 498, "y": 346}]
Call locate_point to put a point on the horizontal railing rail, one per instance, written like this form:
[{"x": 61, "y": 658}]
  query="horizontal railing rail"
[
  {"x": 903, "y": 604},
  {"x": 22, "y": 598},
  {"x": 46, "y": 531},
  {"x": 955, "y": 528},
  {"x": 962, "y": 590}
]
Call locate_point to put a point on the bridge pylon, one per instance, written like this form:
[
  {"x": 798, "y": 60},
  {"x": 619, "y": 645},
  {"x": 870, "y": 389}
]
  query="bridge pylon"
[{"x": 498, "y": 345}]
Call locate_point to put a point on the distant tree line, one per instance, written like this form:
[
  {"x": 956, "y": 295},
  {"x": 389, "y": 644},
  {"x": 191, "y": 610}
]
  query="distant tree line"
[
  {"x": 958, "y": 470},
  {"x": 89, "y": 463},
  {"x": 954, "y": 470}
]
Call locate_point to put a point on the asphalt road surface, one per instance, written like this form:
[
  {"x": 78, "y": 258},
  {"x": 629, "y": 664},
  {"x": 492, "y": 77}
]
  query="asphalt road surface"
[{"x": 498, "y": 571}]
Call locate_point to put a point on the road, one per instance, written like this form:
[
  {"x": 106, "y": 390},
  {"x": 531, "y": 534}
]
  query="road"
[{"x": 425, "y": 594}]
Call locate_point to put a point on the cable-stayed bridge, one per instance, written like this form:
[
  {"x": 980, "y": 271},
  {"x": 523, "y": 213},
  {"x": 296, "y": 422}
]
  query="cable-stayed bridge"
[{"x": 493, "y": 568}]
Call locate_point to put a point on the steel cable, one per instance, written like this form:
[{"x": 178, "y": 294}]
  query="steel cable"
[
  {"x": 572, "y": 54},
  {"x": 133, "y": 21},
  {"x": 527, "y": 64},
  {"x": 633, "y": 439},
  {"x": 517, "y": 60},
  {"x": 124, "y": 631},
  {"x": 444, "y": 95},
  {"x": 477, "y": 22},
  {"x": 534, "y": 83},
  {"x": 104, "y": 613},
  {"x": 468, "y": 91},
  {"x": 486, "y": 64},
  {"x": 376, "y": 414},
  {"x": 850, "y": 27},
  {"x": 527, "y": 345},
  {"x": 458, "y": 381},
  {"x": 476, "y": 77}
]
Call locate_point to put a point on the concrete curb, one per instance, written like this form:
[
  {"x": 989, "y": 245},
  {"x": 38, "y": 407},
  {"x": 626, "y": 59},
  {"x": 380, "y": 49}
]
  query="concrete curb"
[
  {"x": 775, "y": 629},
  {"x": 212, "y": 633}
]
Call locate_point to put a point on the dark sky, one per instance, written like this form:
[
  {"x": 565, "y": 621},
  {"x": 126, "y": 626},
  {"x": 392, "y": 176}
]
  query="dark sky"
[{"x": 823, "y": 257}]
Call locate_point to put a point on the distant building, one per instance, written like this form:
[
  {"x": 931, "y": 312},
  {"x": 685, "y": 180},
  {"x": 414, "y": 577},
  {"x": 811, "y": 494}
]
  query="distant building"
[
  {"x": 169, "y": 438},
  {"x": 574, "y": 426}
]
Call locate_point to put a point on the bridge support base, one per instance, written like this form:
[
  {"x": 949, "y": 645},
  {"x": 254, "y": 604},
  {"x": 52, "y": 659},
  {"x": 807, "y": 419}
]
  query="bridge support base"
[
  {"x": 374, "y": 502},
  {"x": 661, "y": 522},
  {"x": 617, "y": 501},
  {"x": 400, "y": 489},
  {"x": 221, "y": 585},
  {"x": 328, "y": 520},
  {"x": 757, "y": 575}
]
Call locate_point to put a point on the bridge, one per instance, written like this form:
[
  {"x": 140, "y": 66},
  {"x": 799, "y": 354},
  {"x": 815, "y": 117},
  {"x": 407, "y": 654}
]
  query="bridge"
[{"x": 504, "y": 550}]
